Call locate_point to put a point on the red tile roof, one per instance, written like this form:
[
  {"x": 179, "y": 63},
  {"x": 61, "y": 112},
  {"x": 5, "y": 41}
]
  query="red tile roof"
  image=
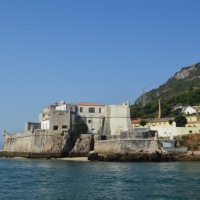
[
  {"x": 136, "y": 121},
  {"x": 89, "y": 104}
]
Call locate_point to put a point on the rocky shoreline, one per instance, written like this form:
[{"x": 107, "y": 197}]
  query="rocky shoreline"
[
  {"x": 112, "y": 157},
  {"x": 145, "y": 157}
]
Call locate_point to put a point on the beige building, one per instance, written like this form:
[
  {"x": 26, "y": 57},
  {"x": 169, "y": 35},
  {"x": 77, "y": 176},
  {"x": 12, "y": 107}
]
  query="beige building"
[
  {"x": 152, "y": 122},
  {"x": 58, "y": 118},
  {"x": 93, "y": 115}
]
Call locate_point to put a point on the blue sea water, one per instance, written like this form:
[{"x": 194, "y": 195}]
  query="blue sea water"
[{"x": 55, "y": 179}]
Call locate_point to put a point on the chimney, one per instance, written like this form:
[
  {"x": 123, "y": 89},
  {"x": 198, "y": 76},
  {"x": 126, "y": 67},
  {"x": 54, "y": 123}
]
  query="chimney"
[{"x": 159, "y": 111}]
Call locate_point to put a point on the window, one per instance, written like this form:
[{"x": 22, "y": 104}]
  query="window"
[
  {"x": 99, "y": 110},
  {"x": 55, "y": 128},
  {"x": 64, "y": 127},
  {"x": 91, "y": 110},
  {"x": 81, "y": 109},
  {"x": 89, "y": 121}
]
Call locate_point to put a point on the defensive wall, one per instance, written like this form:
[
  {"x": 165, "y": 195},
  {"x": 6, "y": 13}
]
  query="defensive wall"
[
  {"x": 37, "y": 141},
  {"x": 117, "y": 119},
  {"x": 126, "y": 146}
]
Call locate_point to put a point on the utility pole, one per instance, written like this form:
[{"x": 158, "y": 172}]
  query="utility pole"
[{"x": 159, "y": 109}]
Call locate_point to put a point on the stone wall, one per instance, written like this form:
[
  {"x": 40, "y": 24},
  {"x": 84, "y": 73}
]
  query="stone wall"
[
  {"x": 117, "y": 119},
  {"x": 127, "y": 145},
  {"x": 37, "y": 142},
  {"x": 32, "y": 125}
]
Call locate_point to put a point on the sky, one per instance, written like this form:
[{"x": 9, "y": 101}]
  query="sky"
[{"x": 93, "y": 50}]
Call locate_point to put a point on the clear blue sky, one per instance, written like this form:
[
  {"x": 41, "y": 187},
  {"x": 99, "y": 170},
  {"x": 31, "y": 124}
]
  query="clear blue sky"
[{"x": 93, "y": 50}]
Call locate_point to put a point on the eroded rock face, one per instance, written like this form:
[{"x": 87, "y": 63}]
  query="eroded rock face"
[
  {"x": 184, "y": 73},
  {"x": 83, "y": 146}
]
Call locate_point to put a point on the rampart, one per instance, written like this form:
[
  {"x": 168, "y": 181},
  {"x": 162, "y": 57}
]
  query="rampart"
[
  {"x": 39, "y": 141},
  {"x": 126, "y": 146}
]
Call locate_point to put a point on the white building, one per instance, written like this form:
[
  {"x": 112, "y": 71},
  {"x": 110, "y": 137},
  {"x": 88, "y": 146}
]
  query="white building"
[{"x": 189, "y": 110}]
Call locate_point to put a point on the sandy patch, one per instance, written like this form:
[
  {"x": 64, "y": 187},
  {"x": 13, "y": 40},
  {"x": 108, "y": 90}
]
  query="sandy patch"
[{"x": 84, "y": 159}]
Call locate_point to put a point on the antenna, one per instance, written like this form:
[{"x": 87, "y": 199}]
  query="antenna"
[{"x": 144, "y": 96}]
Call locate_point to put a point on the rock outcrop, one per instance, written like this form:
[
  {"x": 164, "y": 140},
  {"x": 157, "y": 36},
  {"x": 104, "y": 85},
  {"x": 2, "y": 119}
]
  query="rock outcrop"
[
  {"x": 146, "y": 157},
  {"x": 83, "y": 146}
]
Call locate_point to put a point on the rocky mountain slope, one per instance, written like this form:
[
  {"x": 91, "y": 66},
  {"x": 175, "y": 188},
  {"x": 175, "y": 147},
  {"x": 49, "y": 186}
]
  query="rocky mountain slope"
[{"x": 184, "y": 82}]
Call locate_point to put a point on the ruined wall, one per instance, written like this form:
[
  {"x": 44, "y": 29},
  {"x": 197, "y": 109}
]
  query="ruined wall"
[
  {"x": 128, "y": 145},
  {"x": 37, "y": 142},
  {"x": 33, "y": 125}
]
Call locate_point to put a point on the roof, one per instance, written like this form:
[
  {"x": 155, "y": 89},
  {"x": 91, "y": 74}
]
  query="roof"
[
  {"x": 136, "y": 121},
  {"x": 153, "y": 120},
  {"x": 89, "y": 104}
]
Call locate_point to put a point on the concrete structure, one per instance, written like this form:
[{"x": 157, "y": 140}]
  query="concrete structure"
[
  {"x": 93, "y": 115},
  {"x": 117, "y": 119},
  {"x": 164, "y": 129},
  {"x": 124, "y": 146},
  {"x": 58, "y": 119},
  {"x": 172, "y": 131}
]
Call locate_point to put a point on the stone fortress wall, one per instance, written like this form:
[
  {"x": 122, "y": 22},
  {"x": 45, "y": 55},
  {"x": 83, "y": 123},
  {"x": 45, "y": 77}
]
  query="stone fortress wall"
[
  {"x": 56, "y": 136},
  {"x": 117, "y": 119},
  {"x": 126, "y": 146},
  {"x": 37, "y": 142}
]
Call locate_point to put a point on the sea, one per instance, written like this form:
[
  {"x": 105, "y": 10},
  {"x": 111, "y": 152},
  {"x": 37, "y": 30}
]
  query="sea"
[{"x": 58, "y": 179}]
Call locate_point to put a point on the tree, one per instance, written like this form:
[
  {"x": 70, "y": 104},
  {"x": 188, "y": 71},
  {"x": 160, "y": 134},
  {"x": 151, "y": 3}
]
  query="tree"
[
  {"x": 80, "y": 128},
  {"x": 143, "y": 123},
  {"x": 180, "y": 120},
  {"x": 170, "y": 122}
]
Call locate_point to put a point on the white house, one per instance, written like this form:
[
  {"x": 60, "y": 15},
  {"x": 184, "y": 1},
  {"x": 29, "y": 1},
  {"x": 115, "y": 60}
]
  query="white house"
[{"x": 189, "y": 110}]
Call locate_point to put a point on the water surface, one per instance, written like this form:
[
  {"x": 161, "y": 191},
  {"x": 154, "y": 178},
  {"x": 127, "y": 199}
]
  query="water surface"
[{"x": 55, "y": 179}]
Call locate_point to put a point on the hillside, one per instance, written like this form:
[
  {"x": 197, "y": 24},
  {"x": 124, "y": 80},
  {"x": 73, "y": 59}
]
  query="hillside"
[{"x": 181, "y": 89}]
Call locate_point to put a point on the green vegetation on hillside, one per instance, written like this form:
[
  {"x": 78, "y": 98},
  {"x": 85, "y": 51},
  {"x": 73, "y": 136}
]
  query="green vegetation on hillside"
[
  {"x": 182, "y": 89},
  {"x": 150, "y": 110}
]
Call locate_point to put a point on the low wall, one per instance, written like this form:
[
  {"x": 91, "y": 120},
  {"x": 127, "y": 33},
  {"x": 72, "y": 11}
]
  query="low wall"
[
  {"x": 171, "y": 131},
  {"x": 175, "y": 149},
  {"x": 122, "y": 146}
]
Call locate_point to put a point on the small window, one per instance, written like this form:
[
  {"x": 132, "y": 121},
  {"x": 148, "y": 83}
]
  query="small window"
[
  {"x": 91, "y": 110},
  {"x": 64, "y": 126},
  {"x": 99, "y": 110},
  {"x": 55, "y": 128},
  {"x": 81, "y": 109},
  {"x": 89, "y": 121}
]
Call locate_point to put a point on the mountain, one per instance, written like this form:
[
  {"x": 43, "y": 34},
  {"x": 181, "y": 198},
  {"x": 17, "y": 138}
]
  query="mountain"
[{"x": 181, "y": 89}]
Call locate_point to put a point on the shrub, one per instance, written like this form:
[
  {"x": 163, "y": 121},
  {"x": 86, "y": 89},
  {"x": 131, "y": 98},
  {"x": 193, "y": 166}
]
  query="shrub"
[
  {"x": 180, "y": 120},
  {"x": 143, "y": 123}
]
